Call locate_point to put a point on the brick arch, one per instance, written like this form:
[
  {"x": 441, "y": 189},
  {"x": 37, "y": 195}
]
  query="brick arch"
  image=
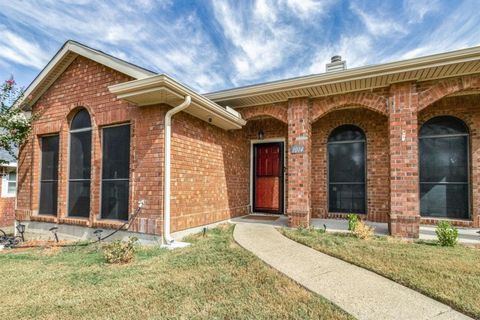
[
  {"x": 446, "y": 87},
  {"x": 367, "y": 100},
  {"x": 277, "y": 111},
  {"x": 72, "y": 111}
]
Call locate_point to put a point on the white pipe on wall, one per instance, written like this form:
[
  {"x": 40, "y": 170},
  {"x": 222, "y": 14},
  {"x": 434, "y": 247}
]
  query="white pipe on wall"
[{"x": 167, "y": 169}]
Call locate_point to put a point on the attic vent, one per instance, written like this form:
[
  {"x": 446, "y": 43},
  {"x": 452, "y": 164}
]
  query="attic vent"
[{"x": 336, "y": 64}]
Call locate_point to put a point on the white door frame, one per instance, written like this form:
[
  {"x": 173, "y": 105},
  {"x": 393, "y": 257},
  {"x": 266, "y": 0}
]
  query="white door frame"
[{"x": 270, "y": 140}]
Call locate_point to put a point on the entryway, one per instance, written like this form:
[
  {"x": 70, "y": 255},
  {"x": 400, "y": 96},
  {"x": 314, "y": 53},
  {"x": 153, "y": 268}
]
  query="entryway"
[{"x": 268, "y": 177}]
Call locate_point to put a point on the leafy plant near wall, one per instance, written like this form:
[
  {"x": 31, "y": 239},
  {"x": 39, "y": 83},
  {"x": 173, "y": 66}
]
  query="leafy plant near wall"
[
  {"x": 120, "y": 251},
  {"x": 352, "y": 221},
  {"x": 15, "y": 124},
  {"x": 363, "y": 231},
  {"x": 447, "y": 234}
]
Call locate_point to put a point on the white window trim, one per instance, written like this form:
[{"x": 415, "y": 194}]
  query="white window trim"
[{"x": 5, "y": 193}]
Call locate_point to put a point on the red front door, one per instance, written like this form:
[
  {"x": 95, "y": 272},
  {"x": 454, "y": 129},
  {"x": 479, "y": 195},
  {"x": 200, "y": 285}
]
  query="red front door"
[{"x": 268, "y": 177}]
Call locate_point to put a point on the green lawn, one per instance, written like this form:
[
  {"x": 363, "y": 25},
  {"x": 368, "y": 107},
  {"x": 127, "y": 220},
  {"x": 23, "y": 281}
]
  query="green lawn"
[
  {"x": 450, "y": 275},
  {"x": 212, "y": 279}
]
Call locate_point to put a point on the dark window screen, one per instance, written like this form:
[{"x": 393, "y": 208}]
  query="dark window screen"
[
  {"x": 80, "y": 154},
  {"x": 444, "y": 187},
  {"x": 81, "y": 120},
  {"x": 49, "y": 176},
  {"x": 79, "y": 198},
  {"x": 443, "y": 125},
  {"x": 115, "y": 172},
  {"x": 80, "y": 165},
  {"x": 346, "y": 170}
]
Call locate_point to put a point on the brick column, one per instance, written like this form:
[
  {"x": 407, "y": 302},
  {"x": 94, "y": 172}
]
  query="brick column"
[
  {"x": 403, "y": 132},
  {"x": 299, "y": 162}
]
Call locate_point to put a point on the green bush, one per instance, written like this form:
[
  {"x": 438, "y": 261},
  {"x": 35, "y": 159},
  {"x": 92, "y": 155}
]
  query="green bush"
[
  {"x": 120, "y": 251},
  {"x": 352, "y": 221},
  {"x": 447, "y": 234}
]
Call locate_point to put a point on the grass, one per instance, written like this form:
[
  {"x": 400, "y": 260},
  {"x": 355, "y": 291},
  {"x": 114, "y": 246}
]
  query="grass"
[
  {"x": 211, "y": 279},
  {"x": 450, "y": 275}
]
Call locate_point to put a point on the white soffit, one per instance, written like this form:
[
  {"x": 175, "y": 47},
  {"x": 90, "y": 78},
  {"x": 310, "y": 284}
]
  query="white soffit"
[
  {"x": 438, "y": 66},
  {"x": 161, "y": 89}
]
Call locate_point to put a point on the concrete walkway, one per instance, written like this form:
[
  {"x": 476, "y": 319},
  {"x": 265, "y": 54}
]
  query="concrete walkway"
[{"x": 361, "y": 293}]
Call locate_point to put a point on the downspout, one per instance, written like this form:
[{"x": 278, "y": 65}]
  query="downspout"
[{"x": 167, "y": 169}]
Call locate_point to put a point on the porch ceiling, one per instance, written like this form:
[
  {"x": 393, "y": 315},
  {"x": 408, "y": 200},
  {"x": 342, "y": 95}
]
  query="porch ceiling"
[{"x": 455, "y": 63}]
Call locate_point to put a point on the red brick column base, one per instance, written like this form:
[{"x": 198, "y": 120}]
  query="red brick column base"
[
  {"x": 298, "y": 219},
  {"x": 404, "y": 225}
]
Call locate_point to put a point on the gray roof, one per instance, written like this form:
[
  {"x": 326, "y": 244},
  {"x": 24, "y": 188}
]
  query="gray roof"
[{"x": 4, "y": 155}]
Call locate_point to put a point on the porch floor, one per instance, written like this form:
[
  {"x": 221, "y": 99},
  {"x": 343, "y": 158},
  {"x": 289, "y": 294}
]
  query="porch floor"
[{"x": 427, "y": 232}]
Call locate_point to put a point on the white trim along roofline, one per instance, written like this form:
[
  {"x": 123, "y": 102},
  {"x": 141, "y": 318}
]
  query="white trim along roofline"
[
  {"x": 69, "y": 51},
  {"x": 8, "y": 165},
  {"x": 441, "y": 59},
  {"x": 261, "y": 93}
]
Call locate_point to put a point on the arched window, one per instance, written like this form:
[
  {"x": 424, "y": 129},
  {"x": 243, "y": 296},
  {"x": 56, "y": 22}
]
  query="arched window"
[
  {"x": 80, "y": 165},
  {"x": 444, "y": 158},
  {"x": 346, "y": 170}
]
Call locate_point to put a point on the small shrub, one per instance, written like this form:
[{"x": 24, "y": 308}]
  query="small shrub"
[
  {"x": 447, "y": 234},
  {"x": 362, "y": 231},
  {"x": 352, "y": 221},
  {"x": 120, "y": 251}
]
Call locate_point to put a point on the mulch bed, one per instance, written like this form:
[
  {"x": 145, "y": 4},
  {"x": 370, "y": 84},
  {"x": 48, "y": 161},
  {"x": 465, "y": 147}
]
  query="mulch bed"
[{"x": 41, "y": 244}]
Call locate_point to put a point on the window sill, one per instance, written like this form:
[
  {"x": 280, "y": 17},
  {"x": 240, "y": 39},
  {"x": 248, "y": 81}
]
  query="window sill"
[
  {"x": 343, "y": 214},
  {"x": 456, "y": 222},
  {"x": 44, "y": 218},
  {"x": 109, "y": 224},
  {"x": 8, "y": 195},
  {"x": 74, "y": 221}
]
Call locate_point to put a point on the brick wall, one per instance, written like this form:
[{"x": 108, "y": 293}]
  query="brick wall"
[
  {"x": 210, "y": 173},
  {"x": 7, "y": 209},
  {"x": 299, "y": 164},
  {"x": 403, "y": 136},
  {"x": 215, "y": 189},
  {"x": 211, "y": 167},
  {"x": 375, "y": 127}
]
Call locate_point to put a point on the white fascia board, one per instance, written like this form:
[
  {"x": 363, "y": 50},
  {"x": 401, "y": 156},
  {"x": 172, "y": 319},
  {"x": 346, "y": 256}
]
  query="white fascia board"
[
  {"x": 89, "y": 53},
  {"x": 9, "y": 165},
  {"x": 109, "y": 61},
  {"x": 441, "y": 59},
  {"x": 162, "y": 80}
]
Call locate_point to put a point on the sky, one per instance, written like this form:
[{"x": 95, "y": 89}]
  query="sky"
[{"x": 215, "y": 45}]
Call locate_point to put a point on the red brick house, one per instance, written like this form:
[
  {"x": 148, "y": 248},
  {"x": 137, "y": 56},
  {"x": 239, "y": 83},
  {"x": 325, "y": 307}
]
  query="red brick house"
[{"x": 397, "y": 142}]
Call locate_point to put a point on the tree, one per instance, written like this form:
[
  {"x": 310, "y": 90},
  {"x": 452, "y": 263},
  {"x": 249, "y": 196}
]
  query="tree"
[{"x": 15, "y": 124}]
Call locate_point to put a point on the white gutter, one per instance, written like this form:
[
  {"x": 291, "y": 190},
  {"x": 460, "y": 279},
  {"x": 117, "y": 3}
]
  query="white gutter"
[
  {"x": 436, "y": 60},
  {"x": 128, "y": 89},
  {"x": 167, "y": 168}
]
